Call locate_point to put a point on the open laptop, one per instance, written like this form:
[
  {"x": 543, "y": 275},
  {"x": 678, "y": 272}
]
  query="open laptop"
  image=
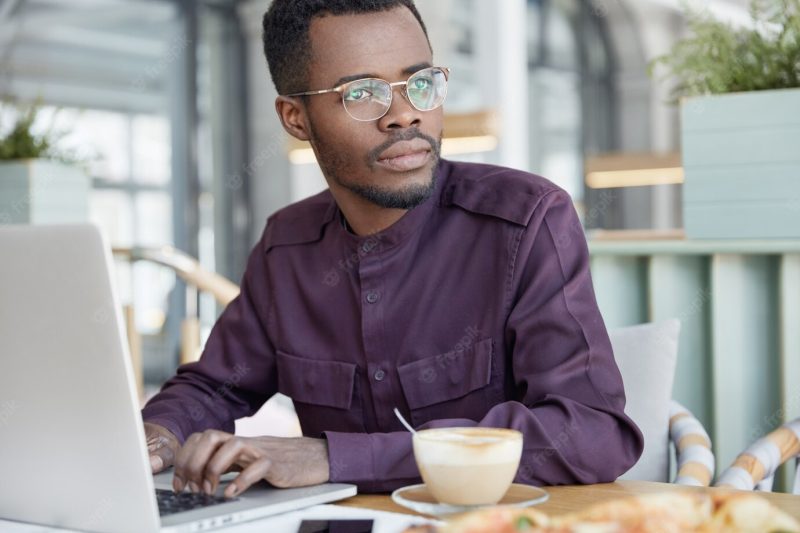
[{"x": 72, "y": 446}]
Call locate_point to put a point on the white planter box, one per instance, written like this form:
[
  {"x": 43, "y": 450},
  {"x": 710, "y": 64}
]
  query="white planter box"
[
  {"x": 38, "y": 191},
  {"x": 741, "y": 156}
]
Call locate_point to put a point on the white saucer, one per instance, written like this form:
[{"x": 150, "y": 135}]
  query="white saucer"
[{"x": 417, "y": 498}]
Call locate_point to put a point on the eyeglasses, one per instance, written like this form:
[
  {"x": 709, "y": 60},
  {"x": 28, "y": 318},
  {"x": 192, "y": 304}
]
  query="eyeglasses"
[{"x": 370, "y": 98}]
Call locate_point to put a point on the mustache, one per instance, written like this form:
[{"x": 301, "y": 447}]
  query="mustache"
[{"x": 406, "y": 135}]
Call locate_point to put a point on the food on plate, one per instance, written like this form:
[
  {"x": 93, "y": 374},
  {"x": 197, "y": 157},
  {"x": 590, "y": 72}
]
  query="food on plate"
[
  {"x": 669, "y": 512},
  {"x": 495, "y": 519},
  {"x": 742, "y": 512}
]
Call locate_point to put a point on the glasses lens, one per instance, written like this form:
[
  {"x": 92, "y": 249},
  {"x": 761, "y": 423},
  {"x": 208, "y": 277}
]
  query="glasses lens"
[
  {"x": 367, "y": 99},
  {"x": 427, "y": 89}
]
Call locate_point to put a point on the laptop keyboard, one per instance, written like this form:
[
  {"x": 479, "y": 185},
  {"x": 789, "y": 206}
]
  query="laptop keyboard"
[{"x": 170, "y": 503}]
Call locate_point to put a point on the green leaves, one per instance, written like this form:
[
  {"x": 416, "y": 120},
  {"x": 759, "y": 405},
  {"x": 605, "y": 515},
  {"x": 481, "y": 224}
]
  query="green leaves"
[
  {"x": 719, "y": 58},
  {"x": 20, "y": 143},
  {"x": 523, "y": 523}
]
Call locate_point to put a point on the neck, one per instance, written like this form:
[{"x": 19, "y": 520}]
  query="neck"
[{"x": 364, "y": 217}]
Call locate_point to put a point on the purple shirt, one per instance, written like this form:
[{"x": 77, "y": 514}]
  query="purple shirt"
[{"x": 475, "y": 309}]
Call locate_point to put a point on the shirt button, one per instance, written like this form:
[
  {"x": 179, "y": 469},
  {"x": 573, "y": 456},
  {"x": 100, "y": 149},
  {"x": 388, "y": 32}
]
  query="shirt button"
[
  {"x": 366, "y": 248},
  {"x": 372, "y": 297},
  {"x": 379, "y": 375}
]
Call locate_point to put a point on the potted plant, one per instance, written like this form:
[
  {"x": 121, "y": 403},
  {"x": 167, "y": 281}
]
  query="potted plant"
[
  {"x": 39, "y": 184},
  {"x": 739, "y": 90}
]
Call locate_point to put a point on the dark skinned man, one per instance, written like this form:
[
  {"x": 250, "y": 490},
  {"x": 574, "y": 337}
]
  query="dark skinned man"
[{"x": 458, "y": 293}]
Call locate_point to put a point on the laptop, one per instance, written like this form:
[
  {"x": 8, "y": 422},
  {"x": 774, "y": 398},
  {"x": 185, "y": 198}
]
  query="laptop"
[{"x": 72, "y": 445}]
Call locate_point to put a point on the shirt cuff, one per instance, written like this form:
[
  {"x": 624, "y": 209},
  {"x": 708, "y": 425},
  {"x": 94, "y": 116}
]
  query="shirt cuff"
[
  {"x": 350, "y": 457},
  {"x": 167, "y": 423}
]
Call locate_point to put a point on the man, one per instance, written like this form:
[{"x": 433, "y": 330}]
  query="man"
[{"x": 458, "y": 293}]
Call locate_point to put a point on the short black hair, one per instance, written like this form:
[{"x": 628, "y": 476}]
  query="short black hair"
[{"x": 286, "y": 41}]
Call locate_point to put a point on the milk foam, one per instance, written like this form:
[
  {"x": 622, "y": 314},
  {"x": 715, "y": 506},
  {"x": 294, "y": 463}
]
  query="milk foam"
[
  {"x": 464, "y": 439},
  {"x": 454, "y": 448}
]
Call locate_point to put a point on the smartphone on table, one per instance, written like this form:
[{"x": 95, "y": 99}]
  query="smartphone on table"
[{"x": 335, "y": 526}]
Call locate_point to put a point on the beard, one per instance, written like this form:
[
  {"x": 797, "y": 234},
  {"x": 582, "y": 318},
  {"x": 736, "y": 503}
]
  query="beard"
[{"x": 334, "y": 165}]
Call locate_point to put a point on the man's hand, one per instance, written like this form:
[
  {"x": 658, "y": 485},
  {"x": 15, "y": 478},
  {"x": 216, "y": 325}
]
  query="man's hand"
[
  {"x": 162, "y": 446},
  {"x": 283, "y": 462}
]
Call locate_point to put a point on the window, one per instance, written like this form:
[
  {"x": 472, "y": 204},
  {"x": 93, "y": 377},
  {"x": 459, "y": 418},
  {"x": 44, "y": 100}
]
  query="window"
[
  {"x": 571, "y": 93},
  {"x": 128, "y": 159}
]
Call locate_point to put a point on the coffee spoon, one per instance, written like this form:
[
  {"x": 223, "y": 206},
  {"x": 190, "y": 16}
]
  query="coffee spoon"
[{"x": 403, "y": 421}]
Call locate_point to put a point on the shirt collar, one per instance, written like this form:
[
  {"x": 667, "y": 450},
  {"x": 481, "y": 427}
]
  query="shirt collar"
[{"x": 409, "y": 223}]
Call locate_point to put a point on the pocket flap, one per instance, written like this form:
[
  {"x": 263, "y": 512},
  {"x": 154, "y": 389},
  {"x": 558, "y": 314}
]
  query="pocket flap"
[
  {"x": 446, "y": 376},
  {"x": 315, "y": 381}
]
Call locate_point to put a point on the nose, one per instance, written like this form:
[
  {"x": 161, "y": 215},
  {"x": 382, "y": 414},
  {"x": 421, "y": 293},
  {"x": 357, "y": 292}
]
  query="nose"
[{"x": 401, "y": 113}]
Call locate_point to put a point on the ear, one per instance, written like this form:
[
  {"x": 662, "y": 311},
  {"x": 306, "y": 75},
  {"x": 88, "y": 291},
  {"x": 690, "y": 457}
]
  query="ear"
[{"x": 292, "y": 114}]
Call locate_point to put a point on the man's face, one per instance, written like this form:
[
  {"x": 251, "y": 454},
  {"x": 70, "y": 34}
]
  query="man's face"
[{"x": 389, "y": 161}]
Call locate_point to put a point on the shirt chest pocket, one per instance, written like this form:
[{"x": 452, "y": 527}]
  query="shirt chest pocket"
[
  {"x": 449, "y": 385},
  {"x": 325, "y": 393}
]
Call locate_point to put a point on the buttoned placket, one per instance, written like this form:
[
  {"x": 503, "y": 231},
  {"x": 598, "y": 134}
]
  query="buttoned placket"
[
  {"x": 373, "y": 313},
  {"x": 374, "y": 268}
]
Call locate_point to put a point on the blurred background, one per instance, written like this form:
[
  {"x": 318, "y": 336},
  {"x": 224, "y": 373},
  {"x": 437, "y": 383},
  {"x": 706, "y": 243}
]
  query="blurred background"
[{"x": 169, "y": 106}]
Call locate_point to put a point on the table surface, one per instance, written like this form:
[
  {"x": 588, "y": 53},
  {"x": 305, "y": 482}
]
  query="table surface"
[
  {"x": 570, "y": 498},
  {"x": 562, "y": 500}
]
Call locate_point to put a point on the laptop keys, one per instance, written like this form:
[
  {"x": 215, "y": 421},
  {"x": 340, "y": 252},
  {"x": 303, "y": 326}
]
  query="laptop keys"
[{"x": 170, "y": 502}]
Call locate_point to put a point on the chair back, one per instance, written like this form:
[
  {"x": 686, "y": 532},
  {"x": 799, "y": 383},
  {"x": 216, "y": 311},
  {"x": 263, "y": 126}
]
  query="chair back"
[
  {"x": 646, "y": 355},
  {"x": 755, "y": 467}
]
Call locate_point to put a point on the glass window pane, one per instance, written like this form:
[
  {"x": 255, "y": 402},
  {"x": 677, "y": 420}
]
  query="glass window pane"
[
  {"x": 151, "y": 149},
  {"x": 124, "y": 279},
  {"x": 103, "y": 137},
  {"x": 562, "y": 164},
  {"x": 562, "y": 49},
  {"x": 462, "y": 32},
  {"x": 151, "y": 287},
  {"x": 595, "y": 48},
  {"x": 112, "y": 211},
  {"x": 98, "y": 138},
  {"x": 534, "y": 36},
  {"x": 153, "y": 219},
  {"x": 561, "y": 100}
]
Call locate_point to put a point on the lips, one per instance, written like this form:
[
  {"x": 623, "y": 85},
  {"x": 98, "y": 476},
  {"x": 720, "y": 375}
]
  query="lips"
[{"x": 404, "y": 156}]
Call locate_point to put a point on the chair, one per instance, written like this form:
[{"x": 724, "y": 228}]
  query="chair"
[
  {"x": 646, "y": 355},
  {"x": 695, "y": 460},
  {"x": 197, "y": 279},
  {"x": 755, "y": 467}
]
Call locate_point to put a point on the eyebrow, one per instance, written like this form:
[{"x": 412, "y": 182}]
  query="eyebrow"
[{"x": 408, "y": 70}]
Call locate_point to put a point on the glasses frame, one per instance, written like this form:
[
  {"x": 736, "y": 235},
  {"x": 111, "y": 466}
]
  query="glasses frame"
[{"x": 404, "y": 84}]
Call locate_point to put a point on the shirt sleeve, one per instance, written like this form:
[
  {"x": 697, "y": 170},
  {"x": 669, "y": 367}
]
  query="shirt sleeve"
[
  {"x": 569, "y": 399},
  {"x": 236, "y": 373}
]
